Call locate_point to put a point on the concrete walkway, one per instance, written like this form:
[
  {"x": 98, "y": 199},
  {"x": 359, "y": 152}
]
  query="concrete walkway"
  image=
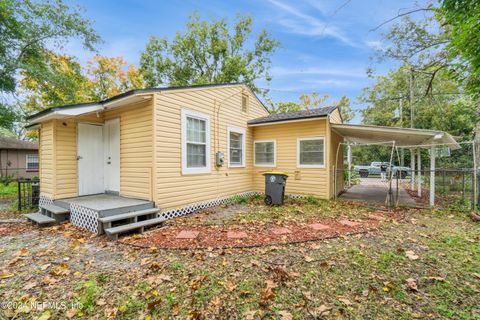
[{"x": 373, "y": 190}]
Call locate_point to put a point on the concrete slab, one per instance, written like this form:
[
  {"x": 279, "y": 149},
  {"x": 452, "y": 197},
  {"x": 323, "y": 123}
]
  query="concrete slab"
[
  {"x": 349, "y": 223},
  {"x": 236, "y": 234},
  {"x": 280, "y": 231},
  {"x": 373, "y": 190},
  {"x": 318, "y": 226},
  {"x": 187, "y": 234}
]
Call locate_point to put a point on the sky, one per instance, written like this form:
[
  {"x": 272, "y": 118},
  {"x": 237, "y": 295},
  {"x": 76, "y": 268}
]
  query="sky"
[{"x": 326, "y": 45}]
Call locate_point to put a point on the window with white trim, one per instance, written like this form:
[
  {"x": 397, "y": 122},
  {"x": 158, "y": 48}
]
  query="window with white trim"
[
  {"x": 265, "y": 153},
  {"x": 236, "y": 147},
  {"x": 311, "y": 152},
  {"x": 195, "y": 142},
  {"x": 32, "y": 162}
]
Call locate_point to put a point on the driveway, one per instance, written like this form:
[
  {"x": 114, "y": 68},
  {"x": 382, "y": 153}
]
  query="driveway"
[{"x": 373, "y": 190}]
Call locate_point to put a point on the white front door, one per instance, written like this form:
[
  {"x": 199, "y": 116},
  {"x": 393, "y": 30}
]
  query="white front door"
[
  {"x": 111, "y": 136},
  {"x": 90, "y": 159}
]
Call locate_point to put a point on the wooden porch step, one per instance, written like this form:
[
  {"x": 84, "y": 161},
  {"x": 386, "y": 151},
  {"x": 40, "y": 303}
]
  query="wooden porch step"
[
  {"x": 129, "y": 215},
  {"x": 54, "y": 209},
  {"x": 113, "y": 233},
  {"x": 40, "y": 219}
]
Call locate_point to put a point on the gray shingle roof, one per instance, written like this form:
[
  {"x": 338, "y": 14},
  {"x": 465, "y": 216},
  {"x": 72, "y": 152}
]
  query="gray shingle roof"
[
  {"x": 12, "y": 143},
  {"x": 295, "y": 115}
]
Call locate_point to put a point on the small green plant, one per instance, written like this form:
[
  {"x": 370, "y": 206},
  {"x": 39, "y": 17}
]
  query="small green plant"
[
  {"x": 89, "y": 291},
  {"x": 6, "y": 180},
  {"x": 238, "y": 199},
  {"x": 312, "y": 200}
]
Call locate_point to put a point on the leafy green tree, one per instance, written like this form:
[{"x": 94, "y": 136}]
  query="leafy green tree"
[
  {"x": 283, "y": 107},
  {"x": 7, "y": 118},
  {"x": 461, "y": 18},
  {"x": 312, "y": 101},
  {"x": 209, "y": 53},
  {"x": 28, "y": 28},
  {"x": 101, "y": 78}
]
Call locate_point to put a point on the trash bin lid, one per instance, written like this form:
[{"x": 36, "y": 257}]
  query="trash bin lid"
[{"x": 276, "y": 172}]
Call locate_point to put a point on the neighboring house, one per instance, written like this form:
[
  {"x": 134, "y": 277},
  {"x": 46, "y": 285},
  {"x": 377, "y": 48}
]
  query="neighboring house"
[{"x": 18, "y": 158}]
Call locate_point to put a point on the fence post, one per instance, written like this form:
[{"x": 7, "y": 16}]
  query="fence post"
[
  {"x": 412, "y": 169},
  {"x": 474, "y": 186},
  {"x": 432, "y": 176},
  {"x": 443, "y": 181},
  {"x": 419, "y": 172},
  {"x": 19, "y": 196}
]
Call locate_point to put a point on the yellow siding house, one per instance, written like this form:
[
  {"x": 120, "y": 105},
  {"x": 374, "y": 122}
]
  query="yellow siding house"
[{"x": 184, "y": 147}]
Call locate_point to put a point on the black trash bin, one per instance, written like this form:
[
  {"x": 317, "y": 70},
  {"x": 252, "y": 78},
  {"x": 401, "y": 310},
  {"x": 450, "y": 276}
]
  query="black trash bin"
[{"x": 275, "y": 187}]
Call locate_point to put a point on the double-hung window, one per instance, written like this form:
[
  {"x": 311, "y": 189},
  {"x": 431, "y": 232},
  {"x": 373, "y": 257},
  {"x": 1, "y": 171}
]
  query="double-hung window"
[
  {"x": 195, "y": 142},
  {"x": 311, "y": 152},
  {"x": 265, "y": 153},
  {"x": 236, "y": 147},
  {"x": 32, "y": 162}
]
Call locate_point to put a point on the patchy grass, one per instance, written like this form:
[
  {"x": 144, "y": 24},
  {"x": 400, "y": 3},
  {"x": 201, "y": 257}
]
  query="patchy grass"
[
  {"x": 427, "y": 266},
  {"x": 8, "y": 191},
  {"x": 252, "y": 209}
]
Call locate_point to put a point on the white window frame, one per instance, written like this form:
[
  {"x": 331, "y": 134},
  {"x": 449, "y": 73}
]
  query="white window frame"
[
  {"x": 241, "y": 131},
  {"x": 186, "y": 113},
  {"x": 299, "y": 165},
  {"x": 274, "y": 165},
  {"x": 26, "y": 162}
]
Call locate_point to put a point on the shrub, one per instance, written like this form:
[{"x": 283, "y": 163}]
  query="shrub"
[
  {"x": 238, "y": 199},
  {"x": 6, "y": 180}
]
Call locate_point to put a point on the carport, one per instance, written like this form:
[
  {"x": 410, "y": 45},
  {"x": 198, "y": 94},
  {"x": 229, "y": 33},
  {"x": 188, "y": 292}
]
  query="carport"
[{"x": 407, "y": 138}]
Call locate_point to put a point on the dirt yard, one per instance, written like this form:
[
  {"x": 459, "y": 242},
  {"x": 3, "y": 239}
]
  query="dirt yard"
[{"x": 426, "y": 265}]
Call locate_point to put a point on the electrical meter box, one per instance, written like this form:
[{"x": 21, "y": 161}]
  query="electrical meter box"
[{"x": 220, "y": 159}]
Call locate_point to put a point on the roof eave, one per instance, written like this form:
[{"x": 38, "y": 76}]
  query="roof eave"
[{"x": 266, "y": 123}]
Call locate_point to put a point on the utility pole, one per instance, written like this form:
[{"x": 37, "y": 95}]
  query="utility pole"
[
  {"x": 412, "y": 110},
  {"x": 412, "y": 97}
]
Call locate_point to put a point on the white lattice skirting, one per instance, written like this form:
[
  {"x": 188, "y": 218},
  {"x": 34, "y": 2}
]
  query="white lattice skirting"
[
  {"x": 170, "y": 214},
  {"x": 84, "y": 217},
  {"x": 44, "y": 200}
]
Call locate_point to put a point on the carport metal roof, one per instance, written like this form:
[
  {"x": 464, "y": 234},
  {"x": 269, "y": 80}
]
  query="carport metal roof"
[{"x": 403, "y": 137}]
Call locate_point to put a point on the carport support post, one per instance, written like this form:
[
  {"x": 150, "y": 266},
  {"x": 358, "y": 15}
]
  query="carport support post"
[
  {"x": 432, "y": 176},
  {"x": 412, "y": 169},
  {"x": 349, "y": 164},
  {"x": 419, "y": 172}
]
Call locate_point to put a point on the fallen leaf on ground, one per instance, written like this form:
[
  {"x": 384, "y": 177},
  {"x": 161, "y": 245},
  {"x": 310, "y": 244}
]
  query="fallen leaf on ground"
[
  {"x": 412, "y": 284},
  {"x": 436, "y": 278},
  {"x": 71, "y": 313},
  {"x": 411, "y": 255},
  {"x": 285, "y": 315},
  {"x": 4, "y": 275},
  {"x": 308, "y": 259},
  {"x": 101, "y": 302},
  {"x": 22, "y": 252},
  {"x": 45, "y": 316},
  {"x": 345, "y": 301}
]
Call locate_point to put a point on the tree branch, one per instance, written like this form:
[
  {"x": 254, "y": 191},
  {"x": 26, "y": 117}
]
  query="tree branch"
[{"x": 401, "y": 15}]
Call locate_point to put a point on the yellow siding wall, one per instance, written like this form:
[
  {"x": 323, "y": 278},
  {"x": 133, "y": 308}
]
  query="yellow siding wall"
[
  {"x": 66, "y": 158},
  {"x": 306, "y": 181},
  {"x": 58, "y": 145},
  {"x": 173, "y": 189},
  {"x": 136, "y": 149},
  {"x": 335, "y": 116},
  {"x": 46, "y": 153}
]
